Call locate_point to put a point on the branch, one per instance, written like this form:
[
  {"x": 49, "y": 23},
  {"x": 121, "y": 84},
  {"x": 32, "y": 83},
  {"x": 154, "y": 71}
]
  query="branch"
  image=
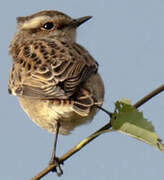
[
  {"x": 149, "y": 96},
  {"x": 72, "y": 151},
  {"x": 106, "y": 128}
]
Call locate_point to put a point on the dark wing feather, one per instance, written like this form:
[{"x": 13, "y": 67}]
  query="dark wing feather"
[{"x": 52, "y": 70}]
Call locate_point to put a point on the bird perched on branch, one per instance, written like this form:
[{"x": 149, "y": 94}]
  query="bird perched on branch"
[{"x": 55, "y": 79}]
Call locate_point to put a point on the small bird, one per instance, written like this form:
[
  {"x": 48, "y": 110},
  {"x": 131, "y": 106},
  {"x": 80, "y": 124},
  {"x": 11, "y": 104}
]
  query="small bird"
[{"x": 55, "y": 79}]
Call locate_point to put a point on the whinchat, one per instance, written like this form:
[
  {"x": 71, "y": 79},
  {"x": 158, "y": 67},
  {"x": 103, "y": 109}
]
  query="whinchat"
[{"x": 55, "y": 79}]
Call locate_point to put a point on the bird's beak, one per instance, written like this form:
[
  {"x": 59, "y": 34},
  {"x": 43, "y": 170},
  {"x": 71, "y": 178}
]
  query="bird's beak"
[{"x": 77, "y": 22}]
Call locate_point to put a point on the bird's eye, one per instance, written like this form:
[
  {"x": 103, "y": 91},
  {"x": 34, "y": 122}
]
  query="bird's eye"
[{"x": 48, "y": 25}]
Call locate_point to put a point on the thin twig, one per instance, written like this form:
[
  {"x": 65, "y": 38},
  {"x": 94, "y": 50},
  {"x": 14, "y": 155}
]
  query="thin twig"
[
  {"x": 73, "y": 151},
  {"x": 102, "y": 130},
  {"x": 149, "y": 96}
]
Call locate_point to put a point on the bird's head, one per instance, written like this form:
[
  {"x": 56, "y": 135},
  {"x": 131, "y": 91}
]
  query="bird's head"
[{"x": 45, "y": 24}]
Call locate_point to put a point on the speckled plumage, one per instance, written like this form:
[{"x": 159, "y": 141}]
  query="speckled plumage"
[{"x": 54, "y": 78}]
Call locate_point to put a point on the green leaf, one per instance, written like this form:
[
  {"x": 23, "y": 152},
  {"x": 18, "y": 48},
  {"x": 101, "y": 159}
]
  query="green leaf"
[
  {"x": 127, "y": 119},
  {"x": 125, "y": 101}
]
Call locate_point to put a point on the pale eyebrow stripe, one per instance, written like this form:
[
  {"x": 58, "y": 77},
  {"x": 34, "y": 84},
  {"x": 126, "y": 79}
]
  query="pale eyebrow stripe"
[{"x": 34, "y": 22}]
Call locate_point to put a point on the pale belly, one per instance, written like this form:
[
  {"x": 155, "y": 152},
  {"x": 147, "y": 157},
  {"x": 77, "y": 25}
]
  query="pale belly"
[{"x": 45, "y": 114}]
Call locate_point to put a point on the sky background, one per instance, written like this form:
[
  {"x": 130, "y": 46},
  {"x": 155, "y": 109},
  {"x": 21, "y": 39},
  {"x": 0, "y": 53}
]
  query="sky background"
[{"x": 126, "y": 37}]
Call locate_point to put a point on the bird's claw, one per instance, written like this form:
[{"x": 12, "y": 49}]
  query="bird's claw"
[{"x": 57, "y": 168}]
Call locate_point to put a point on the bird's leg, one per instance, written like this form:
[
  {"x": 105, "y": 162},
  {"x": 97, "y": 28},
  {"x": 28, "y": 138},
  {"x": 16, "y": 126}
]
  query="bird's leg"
[
  {"x": 106, "y": 111},
  {"x": 54, "y": 159}
]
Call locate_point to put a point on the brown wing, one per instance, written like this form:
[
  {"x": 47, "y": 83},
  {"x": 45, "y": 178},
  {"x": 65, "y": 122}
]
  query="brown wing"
[{"x": 50, "y": 70}]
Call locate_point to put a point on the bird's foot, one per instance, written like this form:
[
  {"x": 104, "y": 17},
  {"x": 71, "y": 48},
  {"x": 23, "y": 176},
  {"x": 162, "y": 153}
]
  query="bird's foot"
[{"x": 57, "y": 168}]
